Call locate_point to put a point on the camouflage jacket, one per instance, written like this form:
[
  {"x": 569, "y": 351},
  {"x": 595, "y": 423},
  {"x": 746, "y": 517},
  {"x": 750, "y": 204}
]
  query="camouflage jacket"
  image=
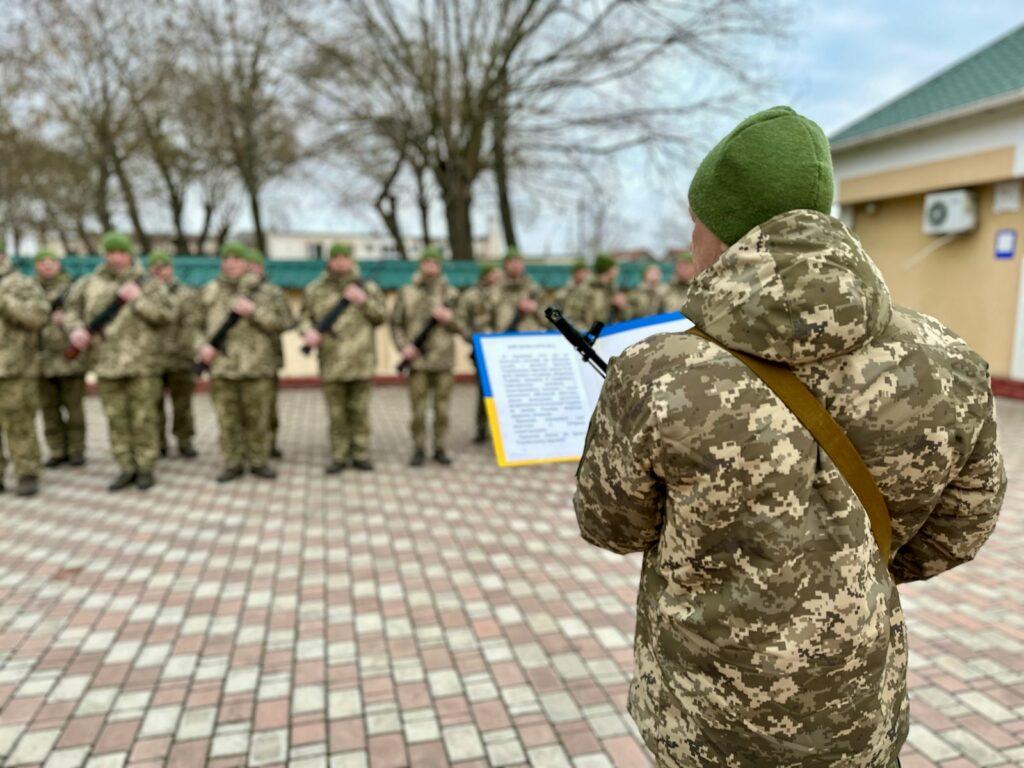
[
  {"x": 411, "y": 314},
  {"x": 250, "y": 350},
  {"x": 675, "y": 296},
  {"x": 507, "y": 295},
  {"x": 476, "y": 310},
  {"x": 645, "y": 300},
  {"x": 53, "y": 339},
  {"x": 599, "y": 304},
  {"x": 574, "y": 301},
  {"x": 347, "y": 352},
  {"x": 131, "y": 344},
  {"x": 23, "y": 312},
  {"x": 179, "y": 336},
  {"x": 769, "y": 629}
]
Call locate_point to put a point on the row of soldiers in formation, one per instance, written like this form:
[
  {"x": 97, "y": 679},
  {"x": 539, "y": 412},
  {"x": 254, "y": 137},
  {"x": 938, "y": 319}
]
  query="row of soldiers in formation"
[{"x": 144, "y": 334}]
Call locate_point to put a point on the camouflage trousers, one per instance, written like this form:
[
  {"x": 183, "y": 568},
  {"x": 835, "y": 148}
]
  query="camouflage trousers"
[
  {"x": 134, "y": 436},
  {"x": 273, "y": 414},
  {"x": 179, "y": 384},
  {"x": 348, "y": 407},
  {"x": 243, "y": 417},
  {"x": 18, "y": 404},
  {"x": 61, "y": 399},
  {"x": 424, "y": 385}
]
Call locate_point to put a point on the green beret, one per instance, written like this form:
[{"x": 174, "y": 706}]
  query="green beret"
[
  {"x": 43, "y": 255},
  {"x": 578, "y": 265},
  {"x": 117, "y": 242},
  {"x": 486, "y": 268},
  {"x": 773, "y": 162},
  {"x": 233, "y": 248},
  {"x": 160, "y": 257},
  {"x": 430, "y": 253},
  {"x": 603, "y": 263},
  {"x": 341, "y": 249},
  {"x": 253, "y": 256},
  {"x": 512, "y": 253}
]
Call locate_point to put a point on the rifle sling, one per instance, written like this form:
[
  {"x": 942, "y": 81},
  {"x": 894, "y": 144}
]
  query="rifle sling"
[{"x": 827, "y": 433}]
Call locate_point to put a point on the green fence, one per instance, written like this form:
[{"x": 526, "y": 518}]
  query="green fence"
[{"x": 390, "y": 275}]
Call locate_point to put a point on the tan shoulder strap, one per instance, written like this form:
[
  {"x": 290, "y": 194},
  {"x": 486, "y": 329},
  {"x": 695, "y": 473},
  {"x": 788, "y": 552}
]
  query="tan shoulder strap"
[{"x": 827, "y": 433}]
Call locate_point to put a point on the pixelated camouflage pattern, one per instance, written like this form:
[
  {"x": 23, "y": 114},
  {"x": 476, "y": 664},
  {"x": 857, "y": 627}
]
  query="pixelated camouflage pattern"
[
  {"x": 62, "y": 404},
  {"x": 413, "y": 306},
  {"x": 348, "y": 413},
  {"x": 347, "y": 352},
  {"x": 131, "y": 344},
  {"x": 599, "y": 306},
  {"x": 574, "y": 301},
  {"x": 23, "y": 312},
  {"x": 476, "y": 310},
  {"x": 243, "y": 409},
  {"x": 53, "y": 338},
  {"x": 18, "y": 425},
  {"x": 646, "y": 300},
  {"x": 507, "y": 295},
  {"x": 675, "y": 296},
  {"x": 250, "y": 350},
  {"x": 128, "y": 403},
  {"x": 179, "y": 336},
  {"x": 769, "y": 630}
]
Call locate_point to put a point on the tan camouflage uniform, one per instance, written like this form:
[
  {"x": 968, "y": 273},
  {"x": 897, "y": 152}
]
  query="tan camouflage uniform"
[
  {"x": 179, "y": 378},
  {"x": 62, "y": 381},
  {"x": 574, "y": 301},
  {"x": 507, "y": 295},
  {"x": 348, "y": 359},
  {"x": 475, "y": 312},
  {"x": 646, "y": 300},
  {"x": 599, "y": 304},
  {"x": 127, "y": 358},
  {"x": 675, "y": 296},
  {"x": 24, "y": 310},
  {"x": 242, "y": 375},
  {"x": 769, "y": 630},
  {"x": 431, "y": 372}
]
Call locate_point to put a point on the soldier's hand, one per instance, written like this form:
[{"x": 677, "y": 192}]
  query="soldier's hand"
[
  {"x": 242, "y": 306},
  {"x": 80, "y": 338},
  {"x": 355, "y": 294},
  {"x": 527, "y": 305},
  {"x": 312, "y": 338},
  {"x": 410, "y": 352},
  {"x": 206, "y": 353},
  {"x": 130, "y": 291},
  {"x": 57, "y": 318},
  {"x": 442, "y": 314},
  {"x": 620, "y": 301}
]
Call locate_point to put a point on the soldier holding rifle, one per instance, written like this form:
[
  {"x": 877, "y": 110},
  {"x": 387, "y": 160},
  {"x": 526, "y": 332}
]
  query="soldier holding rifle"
[
  {"x": 340, "y": 313},
  {"x": 517, "y": 298},
  {"x": 476, "y": 315},
  {"x": 424, "y": 327},
  {"x": 606, "y": 303},
  {"x": 119, "y": 318}
]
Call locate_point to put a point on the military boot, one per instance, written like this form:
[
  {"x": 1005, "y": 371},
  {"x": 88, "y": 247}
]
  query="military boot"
[
  {"x": 28, "y": 485},
  {"x": 122, "y": 481},
  {"x": 144, "y": 481},
  {"x": 442, "y": 458},
  {"x": 418, "y": 458},
  {"x": 77, "y": 460},
  {"x": 363, "y": 465},
  {"x": 230, "y": 473},
  {"x": 55, "y": 461},
  {"x": 187, "y": 451},
  {"x": 265, "y": 472},
  {"x": 335, "y": 467}
]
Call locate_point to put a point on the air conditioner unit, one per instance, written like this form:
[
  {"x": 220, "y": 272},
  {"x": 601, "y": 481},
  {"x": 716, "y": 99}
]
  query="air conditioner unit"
[{"x": 949, "y": 213}]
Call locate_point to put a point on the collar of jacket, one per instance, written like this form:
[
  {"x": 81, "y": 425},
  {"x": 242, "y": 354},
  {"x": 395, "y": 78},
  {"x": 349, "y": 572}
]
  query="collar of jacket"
[
  {"x": 60, "y": 279},
  {"x": 132, "y": 272},
  {"x": 428, "y": 282},
  {"x": 795, "y": 289},
  {"x": 344, "y": 279}
]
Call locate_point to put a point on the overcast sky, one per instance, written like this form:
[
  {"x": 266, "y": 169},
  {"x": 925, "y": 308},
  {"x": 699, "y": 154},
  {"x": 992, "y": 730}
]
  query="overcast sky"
[{"x": 840, "y": 61}]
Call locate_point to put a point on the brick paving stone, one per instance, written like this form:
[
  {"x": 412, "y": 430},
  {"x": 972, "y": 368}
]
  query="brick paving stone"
[{"x": 391, "y": 618}]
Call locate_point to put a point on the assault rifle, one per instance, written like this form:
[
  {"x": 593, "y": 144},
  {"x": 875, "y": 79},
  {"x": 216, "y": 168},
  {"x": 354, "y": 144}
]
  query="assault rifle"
[
  {"x": 101, "y": 320},
  {"x": 60, "y": 298},
  {"x": 420, "y": 341},
  {"x": 220, "y": 336},
  {"x": 328, "y": 320},
  {"x": 583, "y": 342}
]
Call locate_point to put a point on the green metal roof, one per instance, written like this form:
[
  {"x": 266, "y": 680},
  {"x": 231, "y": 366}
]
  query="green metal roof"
[
  {"x": 993, "y": 71},
  {"x": 390, "y": 275}
]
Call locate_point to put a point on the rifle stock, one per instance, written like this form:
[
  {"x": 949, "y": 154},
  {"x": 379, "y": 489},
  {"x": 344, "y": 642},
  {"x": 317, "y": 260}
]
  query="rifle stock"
[{"x": 101, "y": 320}]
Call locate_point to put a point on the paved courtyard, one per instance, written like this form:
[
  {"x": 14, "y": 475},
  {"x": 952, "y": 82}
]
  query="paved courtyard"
[{"x": 403, "y": 617}]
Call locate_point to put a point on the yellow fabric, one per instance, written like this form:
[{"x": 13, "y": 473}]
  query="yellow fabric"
[{"x": 827, "y": 433}]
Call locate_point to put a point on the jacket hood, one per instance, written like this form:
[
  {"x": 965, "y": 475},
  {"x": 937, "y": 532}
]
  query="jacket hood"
[{"x": 795, "y": 289}]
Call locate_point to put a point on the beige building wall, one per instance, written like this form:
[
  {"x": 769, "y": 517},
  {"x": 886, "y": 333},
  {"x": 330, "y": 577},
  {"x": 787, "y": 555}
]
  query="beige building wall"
[{"x": 961, "y": 283}]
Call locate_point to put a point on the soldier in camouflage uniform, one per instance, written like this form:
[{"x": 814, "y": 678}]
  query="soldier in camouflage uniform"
[
  {"x": 61, "y": 381},
  {"x": 178, "y": 378},
  {"x": 574, "y": 297},
  {"x": 517, "y": 298},
  {"x": 475, "y": 312},
  {"x": 428, "y": 297},
  {"x": 348, "y": 356},
  {"x": 126, "y": 355},
  {"x": 258, "y": 268},
  {"x": 684, "y": 274},
  {"x": 24, "y": 310},
  {"x": 606, "y": 302},
  {"x": 242, "y": 375},
  {"x": 769, "y": 629},
  {"x": 648, "y": 298}
]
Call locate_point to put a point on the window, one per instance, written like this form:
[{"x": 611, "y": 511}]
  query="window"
[{"x": 315, "y": 251}]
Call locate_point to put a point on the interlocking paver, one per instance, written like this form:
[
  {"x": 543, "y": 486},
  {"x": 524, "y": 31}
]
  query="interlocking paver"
[{"x": 393, "y": 618}]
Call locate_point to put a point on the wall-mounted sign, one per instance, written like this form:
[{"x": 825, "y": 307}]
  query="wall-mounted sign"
[{"x": 1006, "y": 243}]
